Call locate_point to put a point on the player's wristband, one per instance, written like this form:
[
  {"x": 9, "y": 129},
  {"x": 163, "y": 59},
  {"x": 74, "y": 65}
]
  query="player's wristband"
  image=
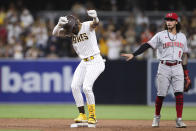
[
  {"x": 96, "y": 19},
  {"x": 56, "y": 30}
]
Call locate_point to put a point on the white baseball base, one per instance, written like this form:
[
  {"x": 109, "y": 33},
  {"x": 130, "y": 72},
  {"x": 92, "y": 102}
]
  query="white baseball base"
[{"x": 76, "y": 125}]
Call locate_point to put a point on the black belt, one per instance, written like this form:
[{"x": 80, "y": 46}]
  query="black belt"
[{"x": 168, "y": 63}]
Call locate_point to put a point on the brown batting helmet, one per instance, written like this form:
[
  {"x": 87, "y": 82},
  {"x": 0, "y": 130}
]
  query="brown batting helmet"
[{"x": 72, "y": 25}]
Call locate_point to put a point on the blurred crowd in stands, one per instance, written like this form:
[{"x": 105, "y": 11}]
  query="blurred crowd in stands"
[{"x": 25, "y": 35}]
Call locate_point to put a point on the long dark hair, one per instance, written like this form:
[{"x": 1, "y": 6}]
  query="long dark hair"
[{"x": 178, "y": 27}]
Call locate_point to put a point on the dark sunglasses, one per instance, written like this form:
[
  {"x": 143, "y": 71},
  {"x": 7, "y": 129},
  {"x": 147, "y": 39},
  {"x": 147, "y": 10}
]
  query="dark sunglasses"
[{"x": 169, "y": 19}]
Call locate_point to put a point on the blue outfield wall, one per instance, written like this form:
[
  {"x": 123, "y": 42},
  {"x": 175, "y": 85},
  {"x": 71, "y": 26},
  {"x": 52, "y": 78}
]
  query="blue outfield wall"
[
  {"x": 36, "y": 80},
  {"x": 43, "y": 81},
  {"x": 189, "y": 97}
]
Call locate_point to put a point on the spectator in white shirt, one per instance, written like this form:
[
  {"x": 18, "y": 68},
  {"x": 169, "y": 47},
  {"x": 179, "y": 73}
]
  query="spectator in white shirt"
[
  {"x": 26, "y": 18},
  {"x": 114, "y": 46}
]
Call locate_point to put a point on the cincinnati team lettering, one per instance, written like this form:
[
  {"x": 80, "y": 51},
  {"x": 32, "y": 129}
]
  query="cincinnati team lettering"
[
  {"x": 171, "y": 44},
  {"x": 81, "y": 37}
]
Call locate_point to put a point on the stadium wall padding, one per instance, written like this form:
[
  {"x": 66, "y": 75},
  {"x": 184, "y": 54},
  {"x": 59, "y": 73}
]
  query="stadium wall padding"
[
  {"x": 122, "y": 83},
  {"x": 48, "y": 81}
]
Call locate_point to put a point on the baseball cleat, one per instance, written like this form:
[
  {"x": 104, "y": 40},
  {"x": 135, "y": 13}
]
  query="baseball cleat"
[
  {"x": 82, "y": 118},
  {"x": 179, "y": 123},
  {"x": 92, "y": 120},
  {"x": 92, "y": 116},
  {"x": 156, "y": 121}
]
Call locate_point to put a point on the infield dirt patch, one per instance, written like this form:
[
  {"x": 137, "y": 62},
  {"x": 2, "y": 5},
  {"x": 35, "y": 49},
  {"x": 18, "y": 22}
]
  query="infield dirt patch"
[{"x": 103, "y": 125}]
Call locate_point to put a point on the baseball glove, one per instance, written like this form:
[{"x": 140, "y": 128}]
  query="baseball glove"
[{"x": 187, "y": 81}]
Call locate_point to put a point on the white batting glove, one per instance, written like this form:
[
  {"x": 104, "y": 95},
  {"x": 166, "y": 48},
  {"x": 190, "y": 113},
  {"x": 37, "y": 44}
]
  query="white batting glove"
[
  {"x": 92, "y": 13},
  {"x": 62, "y": 21}
]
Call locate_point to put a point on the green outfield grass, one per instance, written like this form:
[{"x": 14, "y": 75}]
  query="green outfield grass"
[{"x": 103, "y": 112}]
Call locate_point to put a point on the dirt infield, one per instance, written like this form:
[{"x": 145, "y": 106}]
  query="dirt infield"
[{"x": 103, "y": 125}]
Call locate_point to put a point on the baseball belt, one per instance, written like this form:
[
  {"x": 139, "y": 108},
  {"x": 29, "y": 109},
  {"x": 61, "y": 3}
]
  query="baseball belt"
[
  {"x": 169, "y": 63},
  {"x": 89, "y": 58}
]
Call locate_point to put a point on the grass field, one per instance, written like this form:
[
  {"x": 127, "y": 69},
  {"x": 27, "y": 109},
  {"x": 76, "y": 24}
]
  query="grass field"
[{"x": 103, "y": 112}]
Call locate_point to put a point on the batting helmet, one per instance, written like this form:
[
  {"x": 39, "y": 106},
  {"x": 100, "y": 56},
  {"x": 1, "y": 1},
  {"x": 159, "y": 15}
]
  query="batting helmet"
[{"x": 72, "y": 25}]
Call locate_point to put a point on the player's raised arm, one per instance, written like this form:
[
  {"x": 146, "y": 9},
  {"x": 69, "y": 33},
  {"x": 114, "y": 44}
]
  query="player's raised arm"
[
  {"x": 142, "y": 48},
  {"x": 93, "y": 14},
  {"x": 58, "y": 29}
]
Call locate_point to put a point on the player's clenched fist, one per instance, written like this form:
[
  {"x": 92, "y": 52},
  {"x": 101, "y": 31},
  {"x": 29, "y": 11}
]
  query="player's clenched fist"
[
  {"x": 92, "y": 13},
  {"x": 128, "y": 56},
  {"x": 62, "y": 21}
]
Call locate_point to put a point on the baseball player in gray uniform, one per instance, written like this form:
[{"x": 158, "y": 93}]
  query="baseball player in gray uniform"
[
  {"x": 84, "y": 42},
  {"x": 172, "y": 51}
]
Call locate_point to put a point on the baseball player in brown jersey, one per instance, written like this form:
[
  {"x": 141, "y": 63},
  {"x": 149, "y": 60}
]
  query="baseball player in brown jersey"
[
  {"x": 172, "y": 51},
  {"x": 84, "y": 42}
]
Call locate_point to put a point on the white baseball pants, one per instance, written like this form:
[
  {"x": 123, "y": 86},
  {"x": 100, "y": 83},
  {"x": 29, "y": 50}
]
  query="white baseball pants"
[
  {"x": 84, "y": 76},
  {"x": 170, "y": 76}
]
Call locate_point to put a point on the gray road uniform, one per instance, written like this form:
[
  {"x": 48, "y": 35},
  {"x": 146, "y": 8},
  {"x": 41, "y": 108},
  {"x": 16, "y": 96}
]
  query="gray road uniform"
[{"x": 170, "y": 49}]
